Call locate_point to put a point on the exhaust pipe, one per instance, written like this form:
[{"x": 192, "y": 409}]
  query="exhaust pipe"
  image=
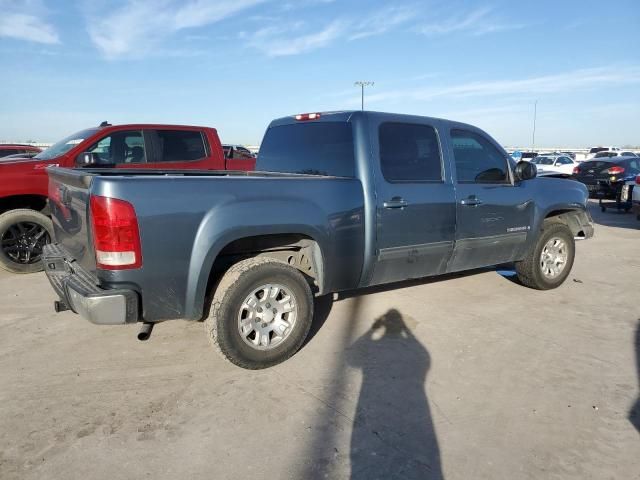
[
  {"x": 59, "y": 306},
  {"x": 145, "y": 331}
]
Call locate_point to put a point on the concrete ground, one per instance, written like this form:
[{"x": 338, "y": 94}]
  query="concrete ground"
[{"x": 466, "y": 377}]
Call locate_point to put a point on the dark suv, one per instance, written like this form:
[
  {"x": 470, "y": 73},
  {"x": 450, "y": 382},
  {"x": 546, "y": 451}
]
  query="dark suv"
[{"x": 604, "y": 177}]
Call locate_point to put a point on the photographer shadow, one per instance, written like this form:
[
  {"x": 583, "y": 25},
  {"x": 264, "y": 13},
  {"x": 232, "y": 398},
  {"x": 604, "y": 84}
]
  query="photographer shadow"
[{"x": 393, "y": 433}]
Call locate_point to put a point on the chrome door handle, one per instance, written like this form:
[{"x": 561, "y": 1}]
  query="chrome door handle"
[
  {"x": 395, "y": 202},
  {"x": 471, "y": 202}
]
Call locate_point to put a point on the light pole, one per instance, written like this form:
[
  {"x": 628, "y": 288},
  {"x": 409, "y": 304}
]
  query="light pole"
[
  {"x": 362, "y": 84},
  {"x": 535, "y": 114}
]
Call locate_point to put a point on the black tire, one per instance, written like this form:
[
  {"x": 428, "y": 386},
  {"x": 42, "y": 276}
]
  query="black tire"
[
  {"x": 529, "y": 269},
  {"x": 235, "y": 286},
  {"x": 10, "y": 260}
]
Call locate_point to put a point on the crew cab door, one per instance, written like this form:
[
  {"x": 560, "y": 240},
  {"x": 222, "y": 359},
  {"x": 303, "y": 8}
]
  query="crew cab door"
[
  {"x": 494, "y": 214},
  {"x": 415, "y": 200}
]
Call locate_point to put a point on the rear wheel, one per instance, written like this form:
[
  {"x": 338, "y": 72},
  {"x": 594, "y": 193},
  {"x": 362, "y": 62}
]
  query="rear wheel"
[
  {"x": 261, "y": 313},
  {"x": 23, "y": 234},
  {"x": 548, "y": 263}
]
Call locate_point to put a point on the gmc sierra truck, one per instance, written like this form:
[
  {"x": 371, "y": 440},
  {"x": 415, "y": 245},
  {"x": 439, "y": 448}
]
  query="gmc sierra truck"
[
  {"x": 25, "y": 226},
  {"x": 341, "y": 201}
]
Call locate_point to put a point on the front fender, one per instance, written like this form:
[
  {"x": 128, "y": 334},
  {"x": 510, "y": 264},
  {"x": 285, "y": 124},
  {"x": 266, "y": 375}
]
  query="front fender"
[{"x": 565, "y": 199}]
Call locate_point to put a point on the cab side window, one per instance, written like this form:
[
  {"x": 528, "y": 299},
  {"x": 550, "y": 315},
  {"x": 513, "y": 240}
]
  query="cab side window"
[
  {"x": 180, "y": 145},
  {"x": 121, "y": 147},
  {"x": 477, "y": 160},
  {"x": 409, "y": 153}
]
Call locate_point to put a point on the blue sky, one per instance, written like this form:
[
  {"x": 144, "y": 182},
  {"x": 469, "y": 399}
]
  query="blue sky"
[{"x": 237, "y": 64}]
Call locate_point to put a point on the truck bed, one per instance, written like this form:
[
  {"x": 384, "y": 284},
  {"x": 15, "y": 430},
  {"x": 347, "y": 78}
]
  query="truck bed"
[{"x": 202, "y": 213}]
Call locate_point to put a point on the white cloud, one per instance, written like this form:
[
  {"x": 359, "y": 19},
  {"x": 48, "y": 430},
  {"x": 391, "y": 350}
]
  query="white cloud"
[
  {"x": 298, "y": 37},
  {"x": 139, "y": 26},
  {"x": 382, "y": 21},
  {"x": 582, "y": 79},
  {"x": 476, "y": 22},
  {"x": 24, "y": 20},
  {"x": 276, "y": 42}
]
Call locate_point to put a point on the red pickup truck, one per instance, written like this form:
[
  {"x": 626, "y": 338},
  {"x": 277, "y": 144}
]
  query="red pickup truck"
[{"x": 25, "y": 226}]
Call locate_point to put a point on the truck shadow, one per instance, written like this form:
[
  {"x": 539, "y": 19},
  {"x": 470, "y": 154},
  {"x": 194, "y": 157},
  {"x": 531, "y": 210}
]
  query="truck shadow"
[
  {"x": 324, "y": 304},
  {"x": 393, "y": 433},
  {"x": 634, "y": 413}
]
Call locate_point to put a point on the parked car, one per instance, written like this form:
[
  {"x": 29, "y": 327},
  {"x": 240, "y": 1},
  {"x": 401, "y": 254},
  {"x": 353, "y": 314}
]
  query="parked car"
[
  {"x": 614, "y": 154},
  {"x": 24, "y": 222},
  {"x": 12, "y": 149},
  {"x": 604, "y": 177},
  {"x": 342, "y": 201},
  {"x": 554, "y": 165},
  {"x": 237, "y": 152},
  {"x": 526, "y": 156},
  {"x": 595, "y": 150},
  {"x": 630, "y": 194}
]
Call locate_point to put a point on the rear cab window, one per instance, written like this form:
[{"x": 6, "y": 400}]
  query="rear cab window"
[
  {"x": 314, "y": 148},
  {"x": 178, "y": 145},
  {"x": 409, "y": 153}
]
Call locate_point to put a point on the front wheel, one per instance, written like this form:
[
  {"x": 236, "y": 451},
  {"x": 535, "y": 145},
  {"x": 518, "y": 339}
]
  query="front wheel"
[
  {"x": 548, "y": 263},
  {"x": 261, "y": 313},
  {"x": 23, "y": 234}
]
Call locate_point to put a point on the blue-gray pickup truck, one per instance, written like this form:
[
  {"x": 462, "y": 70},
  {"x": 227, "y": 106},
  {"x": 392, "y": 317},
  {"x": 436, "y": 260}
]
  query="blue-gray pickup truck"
[{"x": 339, "y": 201}]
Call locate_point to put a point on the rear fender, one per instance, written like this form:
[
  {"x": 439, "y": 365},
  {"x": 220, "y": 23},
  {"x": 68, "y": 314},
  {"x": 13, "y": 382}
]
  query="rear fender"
[{"x": 226, "y": 224}]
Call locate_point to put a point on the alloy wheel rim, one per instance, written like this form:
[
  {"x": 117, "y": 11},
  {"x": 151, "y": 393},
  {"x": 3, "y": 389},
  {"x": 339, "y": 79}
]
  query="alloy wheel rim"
[
  {"x": 553, "y": 258},
  {"x": 267, "y": 316},
  {"x": 23, "y": 242}
]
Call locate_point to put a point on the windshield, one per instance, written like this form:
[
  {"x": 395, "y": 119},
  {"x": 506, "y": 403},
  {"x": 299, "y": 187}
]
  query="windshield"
[
  {"x": 543, "y": 161},
  {"x": 66, "y": 144}
]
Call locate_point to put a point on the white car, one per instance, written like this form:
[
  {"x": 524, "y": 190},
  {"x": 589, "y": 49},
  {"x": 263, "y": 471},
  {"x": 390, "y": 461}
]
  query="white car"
[
  {"x": 593, "y": 151},
  {"x": 554, "y": 164}
]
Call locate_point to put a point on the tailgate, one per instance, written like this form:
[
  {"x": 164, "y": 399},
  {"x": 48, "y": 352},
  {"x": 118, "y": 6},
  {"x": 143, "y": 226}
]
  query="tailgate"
[{"x": 69, "y": 201}]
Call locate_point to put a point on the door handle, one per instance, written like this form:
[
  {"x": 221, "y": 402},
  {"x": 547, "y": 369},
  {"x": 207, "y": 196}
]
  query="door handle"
[
  {"x": 395, "y": 202},
  {"x": 472, "y": 201}
]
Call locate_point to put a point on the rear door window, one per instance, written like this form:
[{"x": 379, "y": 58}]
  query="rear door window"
[
  {"x": 319, "y": 148},
  {"x": 179, "y": 145},
  {"x": 477, "y": 160},
  {"x": 409, "y": 153}
]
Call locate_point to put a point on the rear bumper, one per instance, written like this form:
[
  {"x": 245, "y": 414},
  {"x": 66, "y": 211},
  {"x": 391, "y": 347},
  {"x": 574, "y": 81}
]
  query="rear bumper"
[{"x": 79, "y": 291}]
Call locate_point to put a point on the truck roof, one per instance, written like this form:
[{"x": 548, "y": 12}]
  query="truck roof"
[
  {"x": 152, "y": 125},
  {"x": 345, "y": 116}
]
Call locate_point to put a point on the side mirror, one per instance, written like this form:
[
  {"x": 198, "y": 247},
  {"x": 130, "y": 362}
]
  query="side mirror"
[
  {"x": 525, "y": 171},
  {"x": 87, "y": 159}
]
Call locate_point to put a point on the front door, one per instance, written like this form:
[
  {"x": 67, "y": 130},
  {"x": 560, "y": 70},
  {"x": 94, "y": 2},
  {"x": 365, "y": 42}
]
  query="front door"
[
  {"x": 494, "y": 214},
  {"x": 415, "y": 202}
]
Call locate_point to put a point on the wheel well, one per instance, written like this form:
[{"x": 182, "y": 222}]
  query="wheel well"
[
  {"x": 299, "y": 251},
  {"x": 565, "y": 216},
  {"x": 33, "y": 202}
]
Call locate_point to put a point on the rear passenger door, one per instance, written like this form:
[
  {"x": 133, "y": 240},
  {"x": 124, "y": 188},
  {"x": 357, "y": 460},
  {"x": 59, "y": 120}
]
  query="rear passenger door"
[
  {"x": 494, "y": 214},
  {"x": 179, "y": 149},
  {"x": 415, "y": 200}
]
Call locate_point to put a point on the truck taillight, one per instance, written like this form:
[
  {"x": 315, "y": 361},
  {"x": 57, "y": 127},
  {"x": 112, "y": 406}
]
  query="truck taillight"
[
  {"x": 637, "y": 179},
  {"x": 576, "y": 170},
  {"x": 116, "y": 236},
  {"x": 307, "y": 116},
  {"x": 615, "y": 170}
]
